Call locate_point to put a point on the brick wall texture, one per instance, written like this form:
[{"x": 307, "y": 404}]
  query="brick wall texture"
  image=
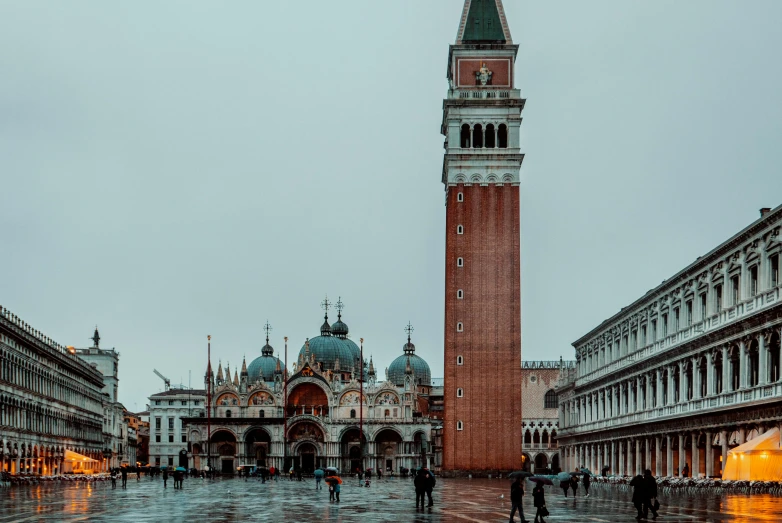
[{"x": 490, "y": 344}]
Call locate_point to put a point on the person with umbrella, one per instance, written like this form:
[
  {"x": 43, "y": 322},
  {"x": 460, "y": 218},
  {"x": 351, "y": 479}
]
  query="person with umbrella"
[
  {"x": 564, "y": 481},
  {"x": 650, "y": 503},
  {"x": 430, "y": 483},
  {"x": 586, "y": 482},
  {"x": 516, "y": 495},
  {"x": 419, "y": 482},
  {"x": 334, "y": 482},
  {"x": 318, "y": 477},
  {"x": 165, "y": 477},
  {"x": 539, "y": 500},
  {"x": 639, "y": 494},
  {"x": 124, "y": 472},
  {"x": 574, "y": 482}
]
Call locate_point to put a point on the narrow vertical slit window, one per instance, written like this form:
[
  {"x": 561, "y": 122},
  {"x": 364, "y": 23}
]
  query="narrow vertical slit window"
[
  {"x": 460, "y": 229},
  {"x": 460, "y": 262},
  {"x": 460, "y": 197},
  {"x": 459, "y": 393},
  {"x": 459, "y": 425},
  {"x": 459, "y": 294},
  {"x": 459, "y": 360},
  {"x": 459, "y": 327}
]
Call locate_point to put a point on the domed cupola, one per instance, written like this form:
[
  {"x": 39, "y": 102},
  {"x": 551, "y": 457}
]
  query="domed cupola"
[
  {"x": 339, "y": 328},
  {"x": 328, "y": 349},
  {"x": 409, "y": 362},
  {"x": 263, "y": 367}
]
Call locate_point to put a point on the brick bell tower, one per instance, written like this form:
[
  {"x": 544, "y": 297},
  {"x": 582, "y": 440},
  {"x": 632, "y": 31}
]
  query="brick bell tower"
[{"x": 481, "y": 119}]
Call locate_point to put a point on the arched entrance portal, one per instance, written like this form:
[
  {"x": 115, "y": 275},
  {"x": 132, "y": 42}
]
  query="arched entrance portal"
[
  {"x": 541, "y": 463},
  {"x": 555, "y": 464},
  {"x": 387, "y": 443},
  {"x": 257, "y": 444},
  {"x": 224, "y": 447},
  {"x": 306, "y": 454},
  {"x": 351, "y": 451}
]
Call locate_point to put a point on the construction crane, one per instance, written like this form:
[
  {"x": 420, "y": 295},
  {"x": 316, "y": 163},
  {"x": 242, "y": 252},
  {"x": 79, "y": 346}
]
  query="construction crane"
[{"x": 165, "y": 380}]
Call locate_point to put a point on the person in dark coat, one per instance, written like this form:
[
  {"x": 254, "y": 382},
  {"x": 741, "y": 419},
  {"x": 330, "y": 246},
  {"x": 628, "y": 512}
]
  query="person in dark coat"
[
  {"x": 651, "y": 494},
  {"x": 565, "y": 485},
  {"x": 686, "y": 470},
  {"x": 586, "y": 482},
  {"x": 113, "y": 478},
  {"x": 420, "y": 488},
  {"x": 574, "y": 485},
  {"x": 516, "y": 495},
  {"x": 539, "y": 500},
  {"x": 639, "y": 494},
  {"x": 124, "y": 472},
  {"x": 430, "y": 483},
  {"x": 165, "y": 478}
]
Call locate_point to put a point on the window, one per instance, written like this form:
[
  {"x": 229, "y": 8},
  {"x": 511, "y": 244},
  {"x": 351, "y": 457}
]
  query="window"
[
  {"x": 171, "y": 461},
  {"x": 734, "y": 283},
  {"x": 477, "y": 136},
  {"x": 459, "y": 327},
  {"x": 459, "y": 360},
  {"x": 170, "y": 438},
  {"x": 196, "y": 403},
  {"x": 459, "y": 229},
  {"x": 182, "y": 423},
  {"x": 352, "y": 413},
  {"x": 753, "y": 280},
  {"x": 157, "y": 438},
  {"x": 170, "y": 423},
  {"x": 502, "y": 136},
  {"x": 490, "y": 136},
  {"x": 653, "y": 334},
  {"x": 184, "y": 438},
  {"x": 459, "y": 294},
  {"x": 157, "y": 423},
  {"x": 170, "y": 402},
  {"x": 157, "y": 402},
  {"x": 228, "y": 413},
  {"x": 459, "y": 425},
  {"x": 703, "y": 306},
  {"x": 387, "y": 413},
  {"x": 261, "y": 414},
  {"x": 395, "y": 410},
  {"x": 465, "y": 137},
  {"x": 184, "y": 402},
  {"x": 459, "y": 393},
  {"x": 774, "y": 262},
  {"x": 460, "y": 262},
  {"x": 718, "y": 298},
  {"x": 550, "y": 400},
  {"x": 688, "y": 308},
  {"x": 460, "y": 197},
  {"x": 643, "y": 336},
  {"x": 676, "y": 322},
  {"x": 665, "y": 325}
]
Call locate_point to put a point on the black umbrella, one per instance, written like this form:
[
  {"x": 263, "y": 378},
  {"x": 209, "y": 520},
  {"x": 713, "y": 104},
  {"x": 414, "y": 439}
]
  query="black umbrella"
[
  {"x": 541, "y": 480},
  {"x": 520, "y": 474}
]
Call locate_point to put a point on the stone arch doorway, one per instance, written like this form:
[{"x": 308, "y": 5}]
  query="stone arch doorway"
[
  {"x": 526, "y": 461},
  {"x": 307, "y": 454},
  {"x": 555, "y": 468},
  {"x": 224, "y": 448},
  {"x": 352, "y": 455},
  {"x": 387, "y": 443},
  {"x": 541, "y": 463},
  {"x": 257, "y": 443}
]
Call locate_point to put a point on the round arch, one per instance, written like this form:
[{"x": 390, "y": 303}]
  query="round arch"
[{"x": 541, "y": 462}]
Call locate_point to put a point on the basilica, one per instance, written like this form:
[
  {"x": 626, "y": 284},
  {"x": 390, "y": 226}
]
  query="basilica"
[{"x": 329, "y": 411}]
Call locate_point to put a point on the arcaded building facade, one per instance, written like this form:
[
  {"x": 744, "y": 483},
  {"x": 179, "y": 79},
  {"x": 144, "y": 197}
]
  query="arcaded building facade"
[
  {"x": 50, "y": 402},
  {"x": 689, "y": 370},
  {"x": 261, "y": 416},
  {"x": 481, "y": 118}
]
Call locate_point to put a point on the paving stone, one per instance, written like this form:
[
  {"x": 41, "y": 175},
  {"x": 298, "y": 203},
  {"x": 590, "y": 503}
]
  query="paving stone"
[{"x": 458, "y": 500}]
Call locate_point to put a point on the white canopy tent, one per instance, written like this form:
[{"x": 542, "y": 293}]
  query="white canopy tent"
[
  {"x": 75, "y": 463},
  {"x": 759, "y": 459}
]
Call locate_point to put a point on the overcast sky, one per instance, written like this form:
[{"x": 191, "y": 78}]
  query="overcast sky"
[{"x": 170, "y": 170}]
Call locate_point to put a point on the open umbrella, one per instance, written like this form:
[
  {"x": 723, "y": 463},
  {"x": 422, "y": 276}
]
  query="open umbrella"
[
  {"x": 319, "y": 473},
  {"x": 180, "y": 469},
  {"x": 563, "y": 476},
  {"x": 577, "y": 473},
  {"x": 541, "y": 480},
  {"x": 586, "y": 471},
  {"x": 521, "y": 474},
  {"x": 332, "y": 469},
  {"x": 334, "y": 479}
]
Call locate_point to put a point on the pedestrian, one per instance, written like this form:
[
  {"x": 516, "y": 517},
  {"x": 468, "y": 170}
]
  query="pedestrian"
[
  {"x": 276, "y": 474},
  {"x": 379, "y": 473},
  {"x": 419, "y": 482},
  {"x": 686, "y": 470},
  {"x": 639, "y": 494},
  {"x": 165, "y": 478},
  {"x": 317, "y": 481},
  {"x": 586, "y": 482},
  {"x": 516, "y": 496},
  {"x": 138, "y": 474},
  {"x": 430, "y": 483},
  {"x": 574, "y": 485},
  {"x": 605, "y": 470},
  {"x": 651, "y": 494},
  {"x": 113, "y": 478},
  {"x": 331, "y": 482},
  {"x": 336, "y": 490},
  {"x": 539, "y": 500},
  {"x": 124, "y": 477},
  {"x": 564, "y": 484}
]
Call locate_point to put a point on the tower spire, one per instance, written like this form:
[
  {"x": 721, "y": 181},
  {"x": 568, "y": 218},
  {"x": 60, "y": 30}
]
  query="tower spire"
[
  {"x": 325, "y": 329},
  {"x": 96, "y": 338},
  {"x": 483, "y": 21}
]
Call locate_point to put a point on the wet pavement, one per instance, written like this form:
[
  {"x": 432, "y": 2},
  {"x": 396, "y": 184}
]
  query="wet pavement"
[{"x": 464, "y": 500}]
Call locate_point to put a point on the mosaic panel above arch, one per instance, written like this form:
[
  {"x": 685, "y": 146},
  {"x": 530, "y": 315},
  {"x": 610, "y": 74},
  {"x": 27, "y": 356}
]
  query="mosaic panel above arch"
[
  {"x": 261, "y": 398},
  {"x": 387, "y": 398},
  {"x": 351, "y": 398},
  {"x": 227, "y": 399}
]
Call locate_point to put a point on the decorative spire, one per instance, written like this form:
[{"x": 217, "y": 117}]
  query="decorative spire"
[
  {"x": 228, "y": 371},
  {"x": 408, "y": 367},
  {"x": 96, "y": 339},
  {"x": 325, "y": 329},
  {"x": 219, "y": 371},
  {"x": 408, "y": 347},
  {"x": 371, "y": 366},
  {"x": 483, "y": 21},
  {"x": 267, "y": 349},
  {"x": 278, "y": 368},
  {"x": 236, "y": 378},
  {"x": 244, "y": 367}
]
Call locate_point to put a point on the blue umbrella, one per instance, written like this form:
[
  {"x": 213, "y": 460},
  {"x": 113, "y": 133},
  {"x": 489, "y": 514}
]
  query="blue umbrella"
[{"x": 319, "y": 473}]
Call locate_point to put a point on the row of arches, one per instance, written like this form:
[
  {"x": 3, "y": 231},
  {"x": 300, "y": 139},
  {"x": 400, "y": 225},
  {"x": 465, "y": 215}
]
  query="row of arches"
[
  {"x": 39, "y": 459},
  {"x": 542, "y": 437},
  {"x": 26, "y": 415},
  {"x": 31, "y": 376},
  {"x": 306, "y": 394},
  {"x": 480, "y": 137},
  {"x": 541, "y": 463}
]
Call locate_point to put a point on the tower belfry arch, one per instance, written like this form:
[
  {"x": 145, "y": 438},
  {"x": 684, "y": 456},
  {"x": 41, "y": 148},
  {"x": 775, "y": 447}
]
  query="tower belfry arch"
[{"x": 481, "y": 174}]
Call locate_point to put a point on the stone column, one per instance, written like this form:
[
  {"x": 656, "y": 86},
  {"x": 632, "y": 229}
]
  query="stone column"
[
  {"x": 724, "y": 441},
  {"x": 743, "y": 381},
  {"x": 614, "y": 470},
  {"x": 658, "y": 456},
  {"x": 638, "y": 456},
  {"x": 659, "y": 388},
  {"x": 762, "y": 360},
  {"x": 709, "y": 456},
  {"x": 682, "y": 454},
  {"x": 648, "y": 454},
  {"x": 742, "y": 435},
  {"x": 711, "y": 378},
  {"x": 620, "y": 456},
  {"x": 682, "y": 383},
  {"x": 695, "y": 466},
  {"x": 696, "y": 379},
  {"x": 669, "y": 455},
  {"x": 726, "y": 383}
]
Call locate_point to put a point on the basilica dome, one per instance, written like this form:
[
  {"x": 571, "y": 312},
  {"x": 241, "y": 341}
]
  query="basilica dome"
[
  {"x": 328, "y": 349},
  {"x": 263, "y": 367},
  {"x": 419, "y": 367}
]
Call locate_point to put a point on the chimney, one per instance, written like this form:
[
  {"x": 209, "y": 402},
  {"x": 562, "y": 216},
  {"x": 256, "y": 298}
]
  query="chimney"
[{"x": 764, "y": 211}]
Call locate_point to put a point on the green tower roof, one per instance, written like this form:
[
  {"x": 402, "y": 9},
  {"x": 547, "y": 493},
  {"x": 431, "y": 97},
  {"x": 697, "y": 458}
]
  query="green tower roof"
[{"x": 483, "y": 23}]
